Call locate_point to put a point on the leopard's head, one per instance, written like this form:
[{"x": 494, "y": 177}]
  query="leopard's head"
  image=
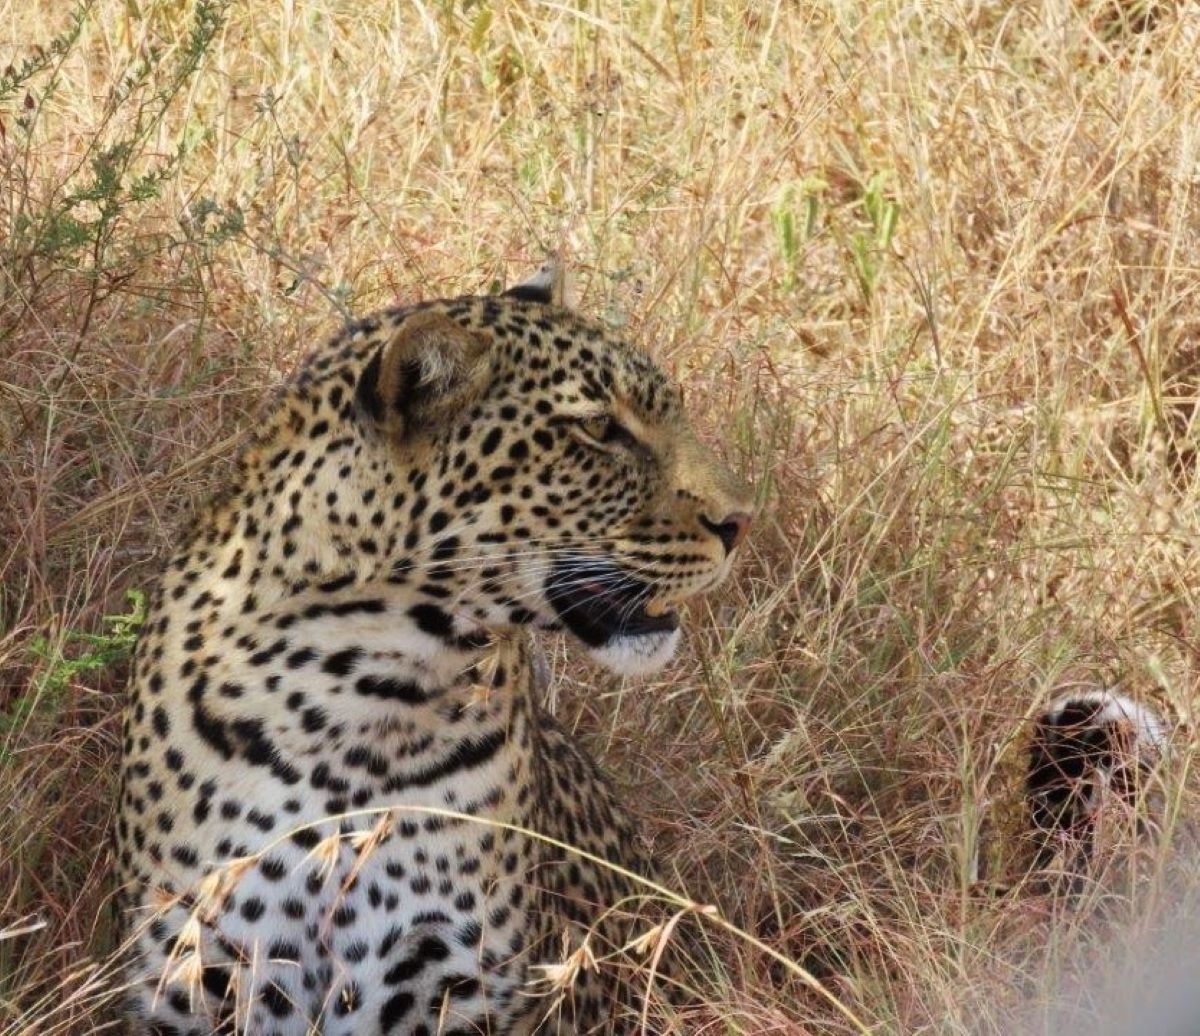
[{"x": 547, "y": 474}]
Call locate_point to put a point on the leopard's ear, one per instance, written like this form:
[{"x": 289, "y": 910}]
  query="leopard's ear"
[
  {"x": 548, "y": 286},
  {"x": 430, "y": 366}
]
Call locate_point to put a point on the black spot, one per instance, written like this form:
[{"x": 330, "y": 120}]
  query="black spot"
[
  {"x": 460, "y": 987},
  {"x": 263, "y": 822},
  {"x": 390, "y": 689},
  {"x": 313, "y": 719},
  {"x": 368, "y": 606},
  {"x": 162, "y": 726},
  {"x": 433, "y": 949},
  {"x": 393, "y": 936},
  {"x": 283, "y": 950},
  {"x": 306, "y": 837},
  {"x": 395, "y": 1009},
  {"x": 252, "y": 908},
  {"x": 293, "y": 908},
  {"x": 333, "y": 585},
  {"x": 371, "y": 606},
  {"x": 276, "y": 1000},
  {"x": 490, "y": 442},
  {"x": 445, "y": 549},
  {"x": 185, "y": 854},
  {"x": 215, "y": 980},
  {"x": 432, "y": 620},
  {"x": 298, "y": 659},
  {"x": 341, "y": 662}
]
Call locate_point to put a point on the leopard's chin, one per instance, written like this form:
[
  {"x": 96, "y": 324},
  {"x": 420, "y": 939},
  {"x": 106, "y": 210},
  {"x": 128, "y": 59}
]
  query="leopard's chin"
[
  {"x": 637, "y": 654},
  {"x": 617, "y": 617}
]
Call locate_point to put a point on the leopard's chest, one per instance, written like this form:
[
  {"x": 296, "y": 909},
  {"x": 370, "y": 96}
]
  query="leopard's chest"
[
  {"x": 373, "y": 920},
  {"x": 437, "y": 914},
  {"x": 348, "y": 833}
]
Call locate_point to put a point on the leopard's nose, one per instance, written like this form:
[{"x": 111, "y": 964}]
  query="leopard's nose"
[{"x": 731, "y": 530}]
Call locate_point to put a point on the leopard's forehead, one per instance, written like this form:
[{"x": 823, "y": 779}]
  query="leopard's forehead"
[
  {"x": 537, "y": 350},
  {"x": 540, "y": 348}
]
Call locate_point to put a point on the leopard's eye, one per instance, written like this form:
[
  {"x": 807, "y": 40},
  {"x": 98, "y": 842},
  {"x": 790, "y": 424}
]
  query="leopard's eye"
[{"x": 605, "y": 429}]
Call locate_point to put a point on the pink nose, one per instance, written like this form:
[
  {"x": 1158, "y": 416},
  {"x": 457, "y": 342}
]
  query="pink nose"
[{"x": 731, "y": 530}]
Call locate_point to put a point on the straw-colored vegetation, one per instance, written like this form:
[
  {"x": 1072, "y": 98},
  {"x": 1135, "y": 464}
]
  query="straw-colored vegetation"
[{"x": 931, "y": 275}]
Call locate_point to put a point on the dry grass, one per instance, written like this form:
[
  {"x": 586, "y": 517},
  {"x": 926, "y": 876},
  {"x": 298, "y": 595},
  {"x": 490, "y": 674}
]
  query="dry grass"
[{"x": 931, "y": 273}]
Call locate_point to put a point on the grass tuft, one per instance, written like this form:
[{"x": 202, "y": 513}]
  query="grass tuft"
[{"x": 928, "y": 274}]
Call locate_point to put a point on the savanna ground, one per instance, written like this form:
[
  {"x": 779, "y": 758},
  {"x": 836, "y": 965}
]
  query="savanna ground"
[{"x": 931, "y": 276}]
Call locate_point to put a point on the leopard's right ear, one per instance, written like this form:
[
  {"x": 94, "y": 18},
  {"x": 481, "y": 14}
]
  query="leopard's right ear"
[
  {"x": 548, "y": 286},
  {"x": 430, "y": 366}
]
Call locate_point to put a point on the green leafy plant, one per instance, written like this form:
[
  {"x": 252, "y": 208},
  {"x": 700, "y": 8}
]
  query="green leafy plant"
[
  {"x": 791, "y": 233},
  {"x": 867, "y": 247},
  {"x": 73, "y": 656},
  {"x": 76, "y": 227}
]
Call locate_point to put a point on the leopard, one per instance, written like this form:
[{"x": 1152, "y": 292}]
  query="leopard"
[{"x": 345, "y": 806}]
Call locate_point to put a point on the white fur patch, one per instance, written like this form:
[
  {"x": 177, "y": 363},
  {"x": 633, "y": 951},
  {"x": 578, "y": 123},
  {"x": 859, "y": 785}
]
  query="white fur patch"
[
  {"x": 637, "y": 655},
  {"x": 1119, "y": 710}
]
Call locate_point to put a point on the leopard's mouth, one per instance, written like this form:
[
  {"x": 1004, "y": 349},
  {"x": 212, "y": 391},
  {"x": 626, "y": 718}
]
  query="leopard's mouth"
[{"x": 597, "y": 601}]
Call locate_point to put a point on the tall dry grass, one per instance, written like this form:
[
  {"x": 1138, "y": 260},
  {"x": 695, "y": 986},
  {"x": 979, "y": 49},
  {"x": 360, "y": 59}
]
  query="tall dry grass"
[{"x": 931, "y": 275}]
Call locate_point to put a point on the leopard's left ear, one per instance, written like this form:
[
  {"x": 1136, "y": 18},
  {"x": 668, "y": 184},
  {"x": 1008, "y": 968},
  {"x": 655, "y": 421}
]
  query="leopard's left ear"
[
  {"x": 431, "y": 366},
  {"x": 548, "y": 286}
]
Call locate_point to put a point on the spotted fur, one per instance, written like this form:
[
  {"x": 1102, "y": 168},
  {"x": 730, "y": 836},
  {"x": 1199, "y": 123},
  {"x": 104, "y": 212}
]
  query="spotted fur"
[{"x": 334, "y": 750}]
